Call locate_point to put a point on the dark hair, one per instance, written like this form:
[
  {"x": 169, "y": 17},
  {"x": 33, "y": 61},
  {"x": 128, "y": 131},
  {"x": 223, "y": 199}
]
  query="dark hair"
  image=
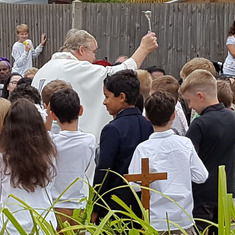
[
  {"x": 159, "y": 107},
  {"x": 5, "y": 92},
  {"x": 65, "y": 103},
  {"x": 140, "y": 102},
  {"x": 26, "y": 91},
  {"x": 154, "y": 68},
  {"x": 125, "y": 81},
  {"x": 24, "y": 80},
  {"x": 26, "y": 147},
  {"x": 232, "y": 29}
]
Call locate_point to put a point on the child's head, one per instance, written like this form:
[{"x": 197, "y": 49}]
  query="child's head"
[
  {"x": 156, "y": 71},
  {"x": 5, "y": 68},
  {"x": 121, "y": 91},
  {"x": 30, "y": 73},
  {"x": 22, "y": 28},
  {"x": 65, "y": 105},
  {"x": 167, "y": 83},
  {"x": 22, "y": 32},
  {"x": 197, "y": 63},
  {"x": 224, "y": 93},
  {"x": 4, "y": 107},
  {"x": 145, "y": 80},
  {"x": 26, "y": 147},
  {"x": 200, "y": 90},
  {"x": 160, "y": 107},
  {"x": 26, "y": 91},
  {"x": 51, "y": 87}
]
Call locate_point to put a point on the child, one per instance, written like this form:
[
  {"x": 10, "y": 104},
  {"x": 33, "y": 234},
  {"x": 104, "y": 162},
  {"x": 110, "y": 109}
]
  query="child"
[
  {"x": 224, "y": 93},
  {"x": 47, "y": 92},
  {"x": 175, "y": 155},
  {"x": 4, "y": 107},
  {"x": 145, "y": 80},
  {"x": 23, "y": 51},
  {"x": 213, "y": 137},
  {"x": 27, "y": 165},
  {"x": 171, "y": 85},
  {"x": 120, "y": 137},
  {"x": 75, "y": 151},
  {"x": 30, "y": 73}
]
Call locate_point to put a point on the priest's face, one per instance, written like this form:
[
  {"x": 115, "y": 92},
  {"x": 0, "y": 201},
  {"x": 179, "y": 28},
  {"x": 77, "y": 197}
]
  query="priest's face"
[{"x": 90, "y": 51}]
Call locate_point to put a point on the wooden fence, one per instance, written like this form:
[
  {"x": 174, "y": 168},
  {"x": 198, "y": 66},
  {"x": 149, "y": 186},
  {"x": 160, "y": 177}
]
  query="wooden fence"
[
  {"x": 184, "y": 31},
  {"x": 54, "y": 20}
]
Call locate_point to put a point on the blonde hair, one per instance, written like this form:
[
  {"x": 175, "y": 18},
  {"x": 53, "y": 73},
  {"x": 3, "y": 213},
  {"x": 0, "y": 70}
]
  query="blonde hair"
[
  {"x": 167, "y": 83},
  {"x": 197, "y": 63},
  {"x": 32, "y": 70},
  {"x": 200, "y": 80},
  {"x": 76, "y": 38},
  {"x": 22, "y": 28},
  {"x": 4, "y": 107},
  {"x": 51, "y": 87},
  {"x": 145, "y": 80}
]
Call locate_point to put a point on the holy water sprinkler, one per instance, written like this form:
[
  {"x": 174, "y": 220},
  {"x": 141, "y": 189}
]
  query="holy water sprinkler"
[{"x": 148, "y": 16}]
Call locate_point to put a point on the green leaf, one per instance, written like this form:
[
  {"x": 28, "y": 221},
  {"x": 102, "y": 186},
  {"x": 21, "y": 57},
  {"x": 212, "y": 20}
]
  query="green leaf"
[{"x": 14, "y": 221}]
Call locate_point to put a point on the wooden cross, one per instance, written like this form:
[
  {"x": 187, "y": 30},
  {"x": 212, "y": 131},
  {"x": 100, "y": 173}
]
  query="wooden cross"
[{"x": 146, "y": 178}]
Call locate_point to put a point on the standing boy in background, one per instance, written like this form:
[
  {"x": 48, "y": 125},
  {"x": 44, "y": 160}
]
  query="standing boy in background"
[
  {"x": 119, "y": 138},
  {"x": 213, "y": 137},
  {"x": 23, "y": 51}
]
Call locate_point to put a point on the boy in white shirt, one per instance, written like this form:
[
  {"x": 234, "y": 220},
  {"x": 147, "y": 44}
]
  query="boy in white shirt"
[
  {"x": 75, "y": 151},
  {"x": 23, "y": 51},
  {"x": 175, "y": 155}
]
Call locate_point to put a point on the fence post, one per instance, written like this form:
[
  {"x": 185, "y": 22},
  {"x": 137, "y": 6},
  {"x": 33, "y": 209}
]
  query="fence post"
[{"x": 77, "y": 14}]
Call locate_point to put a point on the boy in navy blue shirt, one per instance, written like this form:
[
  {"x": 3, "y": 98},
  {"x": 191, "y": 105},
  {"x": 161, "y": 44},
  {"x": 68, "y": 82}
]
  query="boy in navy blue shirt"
[{"x": 119, "y": 138}]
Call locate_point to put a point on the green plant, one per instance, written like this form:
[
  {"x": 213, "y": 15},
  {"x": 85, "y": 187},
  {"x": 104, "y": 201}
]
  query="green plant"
[{"x": 113, "y": 223}]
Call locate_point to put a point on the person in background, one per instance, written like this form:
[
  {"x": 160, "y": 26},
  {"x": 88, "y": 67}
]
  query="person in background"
[
  {"x": 23, "y": 51},
  {"x": 156, "y": 71},
  {"x": 5, "y": 69},
  {"x": 229, "y": 63},
  {"x": 10, "y": 84},
  {"x": 4, "y": 107},
  {"x": 30, "y": 73}
]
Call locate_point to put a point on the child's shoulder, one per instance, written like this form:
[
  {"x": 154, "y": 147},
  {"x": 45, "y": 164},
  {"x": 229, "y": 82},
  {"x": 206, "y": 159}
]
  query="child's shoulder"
[{"x": 74, "y": 136}]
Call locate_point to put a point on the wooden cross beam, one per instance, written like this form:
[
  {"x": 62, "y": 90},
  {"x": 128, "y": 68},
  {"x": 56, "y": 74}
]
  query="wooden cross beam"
[{"x": 146, "y": 178}]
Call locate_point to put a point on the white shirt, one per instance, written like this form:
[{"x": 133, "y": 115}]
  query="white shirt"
[
  {"x": 179, "y": 125},
  {"x": 23, "y": 59},
  {"x": 175, "y": 155},
  {"x": 229, "y": 64},
  {"x": 75, "y": 151},
  {"x": 40, "y": 200},
  {"x": 87, "y": 80}
]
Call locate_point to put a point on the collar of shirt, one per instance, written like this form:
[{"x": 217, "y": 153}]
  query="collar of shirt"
[
  {"x": 163, "y": 134},
  {"x": 213, "y": 107}
]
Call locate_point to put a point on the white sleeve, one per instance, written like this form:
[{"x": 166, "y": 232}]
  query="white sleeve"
[
  {"x": 128, "y": 64},
  {"x": 20, "y": 59},
  {"x": 135, "y": 167},
  {"x": 199, "y": 172},
  {"x": 230, "y": 40},
  {"x": 37, "y": 51}
]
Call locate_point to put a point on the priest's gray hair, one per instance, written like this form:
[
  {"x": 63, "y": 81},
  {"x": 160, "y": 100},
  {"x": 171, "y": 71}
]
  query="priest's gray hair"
[{"x": 75, "y": 39}]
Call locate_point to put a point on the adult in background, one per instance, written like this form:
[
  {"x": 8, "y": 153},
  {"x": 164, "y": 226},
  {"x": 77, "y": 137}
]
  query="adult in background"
[
  {"x": 229, "y": 64},
  {"x": 5, "y": 69},
  {"x": 74, "y": 64}
]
